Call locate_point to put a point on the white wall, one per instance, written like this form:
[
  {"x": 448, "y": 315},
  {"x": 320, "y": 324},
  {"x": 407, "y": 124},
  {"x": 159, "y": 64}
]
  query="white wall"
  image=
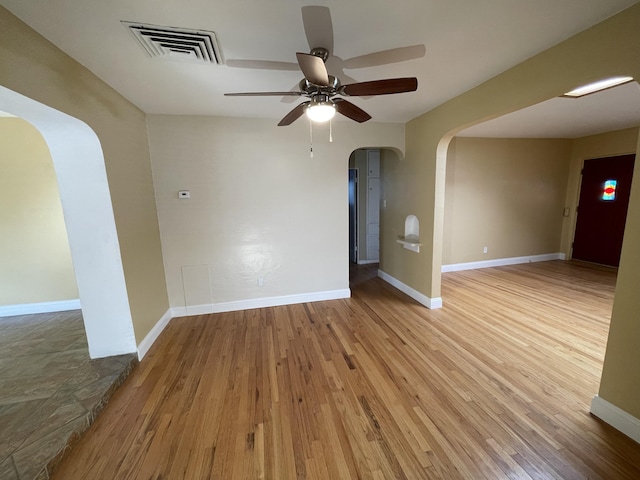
[{"x": 260, "y": 207}]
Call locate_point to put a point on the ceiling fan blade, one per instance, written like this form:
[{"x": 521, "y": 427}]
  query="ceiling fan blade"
[
  {"x": 350, "y": 110},
  {"x": 381, "y": 87},
  {"x": 313, "y": 69},
  {"x": 291, "y": 98},
  {"x": 263, "y": 94},
  {"x": 318, "y": 27},
  {"x": 263, "y": 65},
  {"x": 293, "y": 115},
  {"x": 385, "y": 57}
]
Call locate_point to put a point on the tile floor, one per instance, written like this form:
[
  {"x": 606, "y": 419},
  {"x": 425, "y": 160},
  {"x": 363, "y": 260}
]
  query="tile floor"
[{"x": 50, "y": 390}]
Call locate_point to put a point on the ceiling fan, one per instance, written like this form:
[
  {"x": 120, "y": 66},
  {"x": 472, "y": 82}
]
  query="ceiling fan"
[{"x": 323, "y": 90}]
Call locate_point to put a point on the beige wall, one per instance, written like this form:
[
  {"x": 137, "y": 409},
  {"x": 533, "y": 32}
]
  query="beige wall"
[
  {"x": 260, "y": 207},
  {"x": 34, "y": 250},
  {"x": 595, "y": 146},
  {"x": 620, "y": 382},
  {"x": 506, "y": 194},
  {"x": 609, "y": 48},
  {"x": 33, "y": 67}
]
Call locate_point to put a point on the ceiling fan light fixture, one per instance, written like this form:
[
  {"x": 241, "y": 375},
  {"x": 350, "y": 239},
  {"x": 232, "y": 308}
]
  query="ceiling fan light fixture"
[
  {"x": 320, "y": 111},
  {"x": 597, "y": 86}
]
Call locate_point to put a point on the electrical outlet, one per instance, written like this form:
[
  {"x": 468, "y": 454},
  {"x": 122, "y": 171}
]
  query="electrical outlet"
[
  {"x": 485, "y": 249},
  {"x": 261, "y": 282}
]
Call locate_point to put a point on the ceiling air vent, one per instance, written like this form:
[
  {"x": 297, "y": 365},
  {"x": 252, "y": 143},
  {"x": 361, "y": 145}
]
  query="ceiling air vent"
[{"x": 177, "y": 43}]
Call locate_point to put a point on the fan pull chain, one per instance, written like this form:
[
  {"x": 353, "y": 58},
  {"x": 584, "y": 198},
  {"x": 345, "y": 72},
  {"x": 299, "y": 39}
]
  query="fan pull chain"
[{"x": 311, "y": 138}]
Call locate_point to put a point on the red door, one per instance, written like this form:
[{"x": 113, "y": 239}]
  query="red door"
[{"x": 602, "y": 209}]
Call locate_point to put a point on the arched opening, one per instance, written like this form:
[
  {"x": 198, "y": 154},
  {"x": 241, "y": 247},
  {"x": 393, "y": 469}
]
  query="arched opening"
[
  {"x": 86, "y": 203},
  {"x": 512, "y": 183},
  {"x": 367, "y": 204}
]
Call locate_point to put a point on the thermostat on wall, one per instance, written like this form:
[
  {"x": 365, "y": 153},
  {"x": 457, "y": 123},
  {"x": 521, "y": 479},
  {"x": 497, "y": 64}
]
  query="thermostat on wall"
[{"x": 184, "y": 194}]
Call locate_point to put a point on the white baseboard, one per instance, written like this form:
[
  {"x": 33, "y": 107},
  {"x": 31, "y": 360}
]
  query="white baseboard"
[
  {"x": 154, "y": 333},
  {"x": 431, "y": 303},
  {"x": 616, "y": 417},
  {"x": 368, "y": 262},
  {"x": 260, "y": 303},
  {"x": 455, "y": 267},
  {"x": 42, "y": 307}
]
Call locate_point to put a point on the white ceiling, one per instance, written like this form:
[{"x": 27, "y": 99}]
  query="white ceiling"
[
  {"x": 612, "y": 109},
  {"x": 466, "y": 42}
]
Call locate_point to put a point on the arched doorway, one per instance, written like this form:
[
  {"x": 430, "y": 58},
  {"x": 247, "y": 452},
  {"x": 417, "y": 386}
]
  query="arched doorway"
[{"x": 86, "y": 203}]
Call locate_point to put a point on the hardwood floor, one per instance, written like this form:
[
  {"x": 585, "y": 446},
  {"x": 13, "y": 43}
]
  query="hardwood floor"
[{"x": 497, "y": 384}]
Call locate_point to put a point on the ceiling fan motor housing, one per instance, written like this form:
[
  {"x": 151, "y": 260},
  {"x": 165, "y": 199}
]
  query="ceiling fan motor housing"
[
  {"x": 309, "y": 89},
  {"x": 320, "y": 99},
  {"x": 323, "y": 53}
]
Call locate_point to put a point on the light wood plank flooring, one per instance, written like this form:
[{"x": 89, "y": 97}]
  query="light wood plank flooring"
[{"x": 496, "y": 384}]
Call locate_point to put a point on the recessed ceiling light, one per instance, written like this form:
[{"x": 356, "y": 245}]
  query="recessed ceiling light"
[{"x": 597, "y": 86}]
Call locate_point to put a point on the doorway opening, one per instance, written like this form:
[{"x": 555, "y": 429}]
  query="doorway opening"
[
  {"x": 365, "y": 184},
  {"x": 353, "y": 215},
  {"x": 88, "y": 215}
]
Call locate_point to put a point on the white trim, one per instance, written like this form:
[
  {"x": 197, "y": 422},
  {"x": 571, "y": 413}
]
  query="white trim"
[
  {"x": 368, "y": 262},
  {"x": 616, "y": 417},
  {"x": 42, "y": 307},
  {"x": 499, "y": 262},
  {"x": 431, "y": 303},
  {"x": 148, "y": 341},
  {"x": 260, "y": 303}
]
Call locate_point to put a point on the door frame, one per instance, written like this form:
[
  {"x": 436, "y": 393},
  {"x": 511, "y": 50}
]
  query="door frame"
[
  {"x": 353, "y": 216},
  {"x": 576, "y": 200}
]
